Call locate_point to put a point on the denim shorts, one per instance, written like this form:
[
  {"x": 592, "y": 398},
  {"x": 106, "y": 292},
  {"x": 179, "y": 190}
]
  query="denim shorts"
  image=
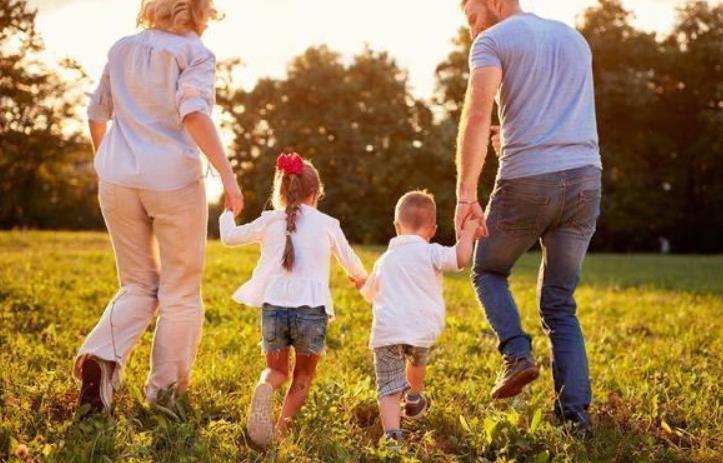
[
  {"x": 390, "y": 366},
  {"x": 303, "y": 328}
]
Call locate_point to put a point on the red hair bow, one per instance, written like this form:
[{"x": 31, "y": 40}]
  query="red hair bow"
[{"x": 290, "y": 163}]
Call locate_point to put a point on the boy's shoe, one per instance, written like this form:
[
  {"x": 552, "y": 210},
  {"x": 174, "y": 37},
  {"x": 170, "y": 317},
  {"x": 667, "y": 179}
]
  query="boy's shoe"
[
  {"x": 259, "y": 423},
  {"x": 415, "y": 407},
  {"x": 515, "y": 375},
  {"x": 96, "y": 388},
  {"x": 393, "y": 440}
]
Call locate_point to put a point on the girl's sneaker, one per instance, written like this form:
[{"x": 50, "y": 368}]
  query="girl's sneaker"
[
  {"x": 415, "y": 406},
  {"x": 260, "y": 424}
]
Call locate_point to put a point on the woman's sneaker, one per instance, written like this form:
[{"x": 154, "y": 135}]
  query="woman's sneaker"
[
  {"x": 96, "y": 389},
  {"x": 260, "y": 424},
  {"x": 415, "y": 406}
]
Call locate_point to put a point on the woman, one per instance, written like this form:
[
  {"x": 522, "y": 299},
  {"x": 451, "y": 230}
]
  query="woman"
[{"x": 158, "y": 90}]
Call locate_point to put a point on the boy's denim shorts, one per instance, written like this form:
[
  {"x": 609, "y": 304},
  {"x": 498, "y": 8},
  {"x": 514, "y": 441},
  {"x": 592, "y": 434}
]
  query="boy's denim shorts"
[
  {"x": 304, "y": 328},
  {"x": 390, "y": 366}
]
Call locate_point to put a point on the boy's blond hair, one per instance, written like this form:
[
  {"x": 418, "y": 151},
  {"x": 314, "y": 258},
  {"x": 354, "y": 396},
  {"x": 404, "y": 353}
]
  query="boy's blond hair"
[
  {"x": 416, "y": 210},
  {"x": 178, "y": 16}
]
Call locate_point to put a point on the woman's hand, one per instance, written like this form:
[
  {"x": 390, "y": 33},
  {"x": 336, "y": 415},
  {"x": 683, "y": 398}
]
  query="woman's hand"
[{"x": 233, "y": 197}]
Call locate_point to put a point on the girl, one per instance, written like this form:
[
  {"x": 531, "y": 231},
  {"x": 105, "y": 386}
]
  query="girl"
[
  {"x": 158, "y": 90},
  {"x": 291, "y": 285}
]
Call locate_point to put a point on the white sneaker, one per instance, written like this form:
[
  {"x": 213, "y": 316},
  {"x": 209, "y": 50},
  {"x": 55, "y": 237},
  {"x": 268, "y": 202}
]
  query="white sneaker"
[{"x": 259, "y": 423}]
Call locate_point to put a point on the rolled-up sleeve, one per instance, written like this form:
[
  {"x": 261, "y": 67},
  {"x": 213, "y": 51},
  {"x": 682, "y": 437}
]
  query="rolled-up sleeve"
[
  {"x": 484, "y": 53},
  {"x": 196, "y": 86},
  {"x": 101, "y": 101}
]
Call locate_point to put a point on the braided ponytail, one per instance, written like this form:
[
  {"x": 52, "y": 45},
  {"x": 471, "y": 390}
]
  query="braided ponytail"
[{"x": 296, "y": 181}]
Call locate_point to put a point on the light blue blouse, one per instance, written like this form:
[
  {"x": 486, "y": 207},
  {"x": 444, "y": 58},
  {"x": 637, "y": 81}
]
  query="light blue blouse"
[{"x": 151, "y": 81}]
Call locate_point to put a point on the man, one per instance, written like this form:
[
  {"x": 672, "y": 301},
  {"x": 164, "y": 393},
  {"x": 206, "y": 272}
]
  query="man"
[{"x": 547, "y": 187}]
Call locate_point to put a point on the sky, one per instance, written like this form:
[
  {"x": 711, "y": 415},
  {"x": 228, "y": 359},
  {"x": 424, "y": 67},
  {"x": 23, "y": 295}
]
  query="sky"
[{"x": 267, "y": 34}]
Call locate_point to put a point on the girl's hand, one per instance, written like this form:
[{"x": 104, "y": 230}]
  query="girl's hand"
[{"x": 233, "y": 197}]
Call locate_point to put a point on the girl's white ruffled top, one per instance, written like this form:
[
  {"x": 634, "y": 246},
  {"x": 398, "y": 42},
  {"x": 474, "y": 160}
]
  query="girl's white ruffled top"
[{"x": 317, "y": 237}]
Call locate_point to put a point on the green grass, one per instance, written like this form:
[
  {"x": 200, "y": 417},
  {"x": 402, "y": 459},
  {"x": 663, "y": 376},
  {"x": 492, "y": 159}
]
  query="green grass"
[{"x": 654, "y": 327}]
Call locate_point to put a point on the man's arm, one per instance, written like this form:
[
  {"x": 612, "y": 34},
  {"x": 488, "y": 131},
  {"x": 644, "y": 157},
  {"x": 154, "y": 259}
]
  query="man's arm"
[{"x": 472, "y": 140}]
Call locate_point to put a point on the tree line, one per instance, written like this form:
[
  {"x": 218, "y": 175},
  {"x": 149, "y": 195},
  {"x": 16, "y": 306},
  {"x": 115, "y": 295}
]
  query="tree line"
[{"x": 659, "y": 104}]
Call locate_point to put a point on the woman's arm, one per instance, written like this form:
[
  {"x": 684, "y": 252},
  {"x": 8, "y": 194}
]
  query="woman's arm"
[
  {"x": 98, "y": 129},
  {"x": 203, "y": 131}
]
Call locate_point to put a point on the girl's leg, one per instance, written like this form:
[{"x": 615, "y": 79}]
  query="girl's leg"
[
  {"x": 260, "y": 423},
  {"x": 277, "y": 369},
  {"x": 304, "y": 371}
]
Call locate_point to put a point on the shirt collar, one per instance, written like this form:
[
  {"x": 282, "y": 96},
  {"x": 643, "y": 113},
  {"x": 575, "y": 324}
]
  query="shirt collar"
[{"x": 405, "y": 239}]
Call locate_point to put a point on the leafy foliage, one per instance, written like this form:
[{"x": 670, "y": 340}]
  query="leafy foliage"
[{"x": 46, "y": 180}]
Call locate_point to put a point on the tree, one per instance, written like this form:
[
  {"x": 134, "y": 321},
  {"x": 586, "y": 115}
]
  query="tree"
[
  {"x": 369, "y": 138},
  {"x": 46, "y": 179}
]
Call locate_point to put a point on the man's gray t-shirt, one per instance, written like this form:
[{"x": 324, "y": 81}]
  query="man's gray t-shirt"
[{"x": 546, "y": 100}]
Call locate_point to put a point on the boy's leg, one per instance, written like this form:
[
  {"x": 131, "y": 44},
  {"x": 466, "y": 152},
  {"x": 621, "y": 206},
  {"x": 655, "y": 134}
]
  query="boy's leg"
[
  {"x": 304, "y": 371},
  {"x": 415, "y": 404},
  {"x": 389, "y": 367}
]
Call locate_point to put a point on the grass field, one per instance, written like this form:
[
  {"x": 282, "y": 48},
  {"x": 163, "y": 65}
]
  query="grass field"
[{"x": 654, "y": 327}]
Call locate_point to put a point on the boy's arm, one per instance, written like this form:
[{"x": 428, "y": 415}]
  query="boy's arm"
[{"x": 465, "y": 245}]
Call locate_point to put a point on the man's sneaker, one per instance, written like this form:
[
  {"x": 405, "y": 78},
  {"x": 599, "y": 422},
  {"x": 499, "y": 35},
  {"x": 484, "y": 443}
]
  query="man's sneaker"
[
  {"x": 415, "y": 407},
  {"x": 96, "y": 389},
  {"x": 515, "y": 375},
  {"x": 576, "y": 425},
  {"x": 392, "y": 440},
  {"x": 259, "y": 423}
]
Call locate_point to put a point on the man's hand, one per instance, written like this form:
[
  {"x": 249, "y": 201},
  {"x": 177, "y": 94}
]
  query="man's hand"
[
  {"x": 496, "y": 139},
  {"x": 465, "y": 212}
]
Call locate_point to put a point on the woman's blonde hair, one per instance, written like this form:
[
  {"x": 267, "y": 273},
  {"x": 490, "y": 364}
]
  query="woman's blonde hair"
[
  {"x": 178, "y": 16},
  {"x": 290, "y": 190}
]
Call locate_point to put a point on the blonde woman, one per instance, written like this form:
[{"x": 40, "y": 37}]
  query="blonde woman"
[{"x": 158, "y": 90}]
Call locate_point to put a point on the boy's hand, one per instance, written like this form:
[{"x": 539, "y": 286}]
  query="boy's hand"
[
  {"x": 358, "y": 282},
  {"x": 471, "y": 228}
]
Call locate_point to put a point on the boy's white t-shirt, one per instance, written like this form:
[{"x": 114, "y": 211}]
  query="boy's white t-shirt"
[{"x": 405, "y": 289}]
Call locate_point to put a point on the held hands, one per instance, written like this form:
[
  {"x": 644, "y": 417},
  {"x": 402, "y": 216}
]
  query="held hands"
[
  {"x": 470, "y": 212},
  {"x": 233, "y": 197}
]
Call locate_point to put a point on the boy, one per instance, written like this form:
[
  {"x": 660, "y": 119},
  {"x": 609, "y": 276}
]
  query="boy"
[{"x": 405, "y": 289}]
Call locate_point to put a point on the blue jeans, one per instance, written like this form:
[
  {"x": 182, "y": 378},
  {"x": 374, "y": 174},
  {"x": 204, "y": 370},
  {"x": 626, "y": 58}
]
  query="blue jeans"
[
  {"x": 303, "y": 328},
  {"x": 561, "y": 210}
]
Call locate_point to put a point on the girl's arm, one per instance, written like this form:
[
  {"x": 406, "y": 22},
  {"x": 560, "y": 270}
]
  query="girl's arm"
[
  {"x": 345, "y": 254},
  {"x": 233, "y": 235}
]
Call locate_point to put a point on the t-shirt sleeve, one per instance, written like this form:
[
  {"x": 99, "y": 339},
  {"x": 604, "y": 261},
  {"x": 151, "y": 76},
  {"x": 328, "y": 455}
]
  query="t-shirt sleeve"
[
  {"x": 484, "y": 53},
  {"x": 444, "y": 258}
]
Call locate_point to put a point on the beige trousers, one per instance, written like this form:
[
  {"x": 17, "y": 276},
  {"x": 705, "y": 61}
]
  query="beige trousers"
[{"x": 159, "y": 240}]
